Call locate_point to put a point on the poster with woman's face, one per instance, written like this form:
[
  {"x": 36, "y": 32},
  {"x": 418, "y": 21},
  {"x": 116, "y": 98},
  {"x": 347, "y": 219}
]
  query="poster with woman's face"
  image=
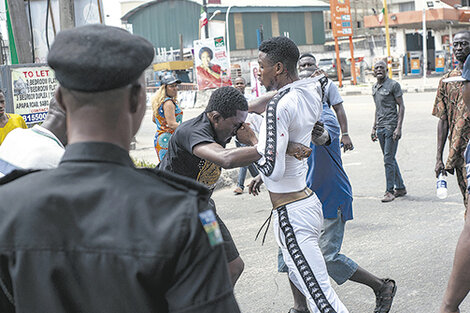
[
  {"x": 210, "y": 56},
  {"x": 256, "y": 88}
]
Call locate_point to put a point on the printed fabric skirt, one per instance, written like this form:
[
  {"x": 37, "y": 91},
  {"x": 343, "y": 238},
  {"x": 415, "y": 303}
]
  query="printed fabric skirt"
[{"x": 160, "y": 143}]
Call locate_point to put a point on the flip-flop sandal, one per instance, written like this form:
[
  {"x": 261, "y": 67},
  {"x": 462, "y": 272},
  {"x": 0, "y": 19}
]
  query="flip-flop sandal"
[
  {"x": 384, "y": 297},
  {"x": 292, "y": 310}
]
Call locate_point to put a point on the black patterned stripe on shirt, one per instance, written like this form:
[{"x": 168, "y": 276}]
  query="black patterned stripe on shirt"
[
  {"x": 271, "y": 135},
  {"x": 301, "y": 263}
]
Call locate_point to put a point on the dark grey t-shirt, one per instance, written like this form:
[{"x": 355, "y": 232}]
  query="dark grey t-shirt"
[{"x": 384, "y": 97}]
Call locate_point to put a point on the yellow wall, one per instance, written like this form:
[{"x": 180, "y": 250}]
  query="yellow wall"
[
  {"x": 308, "y": 28},
  {"x": 239, "y": 36},
  {"x": 275, "y": 24}
]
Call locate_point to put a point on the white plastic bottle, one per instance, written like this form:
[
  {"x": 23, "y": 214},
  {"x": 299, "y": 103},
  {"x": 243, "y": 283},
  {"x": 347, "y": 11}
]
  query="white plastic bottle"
[{"x": 441, "y": 186}]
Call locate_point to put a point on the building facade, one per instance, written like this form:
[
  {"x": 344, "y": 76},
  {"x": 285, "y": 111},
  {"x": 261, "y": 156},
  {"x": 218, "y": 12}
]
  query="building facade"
[
  {"x": 443, "y": 19},
  {"x": 162, "y": 21}
]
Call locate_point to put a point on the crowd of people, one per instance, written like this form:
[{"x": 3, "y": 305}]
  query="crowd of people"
[{"x": 101, "y": 228}]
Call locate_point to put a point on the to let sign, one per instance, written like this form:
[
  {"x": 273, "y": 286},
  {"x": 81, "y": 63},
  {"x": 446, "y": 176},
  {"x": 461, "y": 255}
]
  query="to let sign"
[
  {"x": 33, "y": 88},
  {"x": 341, "y": 23}
]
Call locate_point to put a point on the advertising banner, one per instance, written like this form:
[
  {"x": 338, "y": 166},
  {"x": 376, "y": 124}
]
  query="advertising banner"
[
  {"x": 415, "y": 66},
  {"x": 211, "y": 62},
  {"x": 256, "y": 88},
  {"x": 32, "y": 89},
  {"x": 341, "y": 22},
  {"x": 440, "y": 64}
]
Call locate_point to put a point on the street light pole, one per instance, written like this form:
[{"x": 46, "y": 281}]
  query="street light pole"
[
  {"x": 227, "y": 40},
  {"x": 425, "y": 49}
]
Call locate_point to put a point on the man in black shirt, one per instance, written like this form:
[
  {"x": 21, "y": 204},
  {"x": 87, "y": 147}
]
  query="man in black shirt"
[
  {"x": 96, "y": 234},
  {"x": 197, "y": 150},
  {"x": 388, "y": 121}
]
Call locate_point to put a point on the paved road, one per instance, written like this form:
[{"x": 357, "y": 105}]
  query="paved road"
[{"x": 411, "y": 239}]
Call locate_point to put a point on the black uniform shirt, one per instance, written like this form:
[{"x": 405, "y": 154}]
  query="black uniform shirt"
[
  {"x": 97, "y": 235},
  {"x": 180, "y": 158}
]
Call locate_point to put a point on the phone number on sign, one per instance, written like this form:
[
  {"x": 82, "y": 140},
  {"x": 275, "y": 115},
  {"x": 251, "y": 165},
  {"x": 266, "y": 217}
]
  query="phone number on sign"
[{"x": 34, "y": 118}]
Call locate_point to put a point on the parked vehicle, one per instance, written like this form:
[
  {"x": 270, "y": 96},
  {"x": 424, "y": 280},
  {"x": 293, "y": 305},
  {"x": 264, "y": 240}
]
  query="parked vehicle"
[{"x": 329, "y": 66}]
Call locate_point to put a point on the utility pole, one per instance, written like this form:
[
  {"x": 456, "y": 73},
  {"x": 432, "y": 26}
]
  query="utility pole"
[
  {"x": 66, "y": 14},
  {"x": 206, "y": 27},
  {"x": 387, "y": 38},
  {"x": 20, "y": 29},
  {"x": 425, "y": 49}
]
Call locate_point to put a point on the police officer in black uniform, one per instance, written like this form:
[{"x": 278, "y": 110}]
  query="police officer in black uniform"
[{"x": 96, "y": 234}]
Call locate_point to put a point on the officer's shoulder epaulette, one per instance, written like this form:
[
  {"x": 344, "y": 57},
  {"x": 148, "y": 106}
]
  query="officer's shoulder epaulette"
[
  {"x": 15, "y": 174},
  {"x": 178, "y": 181}
]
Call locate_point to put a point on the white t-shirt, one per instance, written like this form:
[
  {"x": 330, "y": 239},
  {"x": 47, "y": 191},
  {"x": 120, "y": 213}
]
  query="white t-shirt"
[
  {"x": 248, "y": 96},
  {"x": 34, "y": 148},
  {"x": 295, "y": 115},
  {"x": 255, "y": 120}
]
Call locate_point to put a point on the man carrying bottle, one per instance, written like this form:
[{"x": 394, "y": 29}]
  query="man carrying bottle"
[
  {"x": 453, "y": 116},
  {"x": 459, "y": 281}
]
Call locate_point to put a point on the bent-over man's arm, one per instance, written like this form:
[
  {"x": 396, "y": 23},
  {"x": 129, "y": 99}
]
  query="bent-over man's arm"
[
  {"x": 226, "y": 158},
  {"x": 242, "y": 156}
]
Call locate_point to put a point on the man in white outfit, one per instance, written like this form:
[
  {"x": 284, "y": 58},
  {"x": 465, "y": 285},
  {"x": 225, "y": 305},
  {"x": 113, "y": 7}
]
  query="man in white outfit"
[
  {"x": 297, "y": 214},
  {"x": 40, "y": 147}
]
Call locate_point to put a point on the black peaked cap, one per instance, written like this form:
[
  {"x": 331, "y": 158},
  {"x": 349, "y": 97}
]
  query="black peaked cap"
[{"x": 96, "y": 57}]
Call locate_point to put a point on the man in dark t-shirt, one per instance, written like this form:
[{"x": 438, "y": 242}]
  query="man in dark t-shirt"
[
  {"x": 388, "y": 121},
  {"x": 182, "y": 161},
  {"x": 197, "y": 150}
]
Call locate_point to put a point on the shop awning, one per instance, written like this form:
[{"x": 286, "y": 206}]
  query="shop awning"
[{"x": 173, "y": 66}]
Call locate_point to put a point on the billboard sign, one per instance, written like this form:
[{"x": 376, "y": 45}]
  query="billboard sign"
[
  {"x": 341, "y": 22},
  {"x": 256, "y": 88},
  {"x": 211, "y": 62},
  {"x": 28, "y": 89}
]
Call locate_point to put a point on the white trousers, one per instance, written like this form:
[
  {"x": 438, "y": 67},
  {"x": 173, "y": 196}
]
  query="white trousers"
[{"x": 297, "y": 228}]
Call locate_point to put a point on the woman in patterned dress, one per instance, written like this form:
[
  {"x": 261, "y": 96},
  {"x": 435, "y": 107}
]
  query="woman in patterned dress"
[{"x": 166, "y": 113}]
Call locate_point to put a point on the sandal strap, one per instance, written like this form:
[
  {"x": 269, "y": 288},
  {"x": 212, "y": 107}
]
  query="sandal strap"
[{"x": 384, "y": 301}]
